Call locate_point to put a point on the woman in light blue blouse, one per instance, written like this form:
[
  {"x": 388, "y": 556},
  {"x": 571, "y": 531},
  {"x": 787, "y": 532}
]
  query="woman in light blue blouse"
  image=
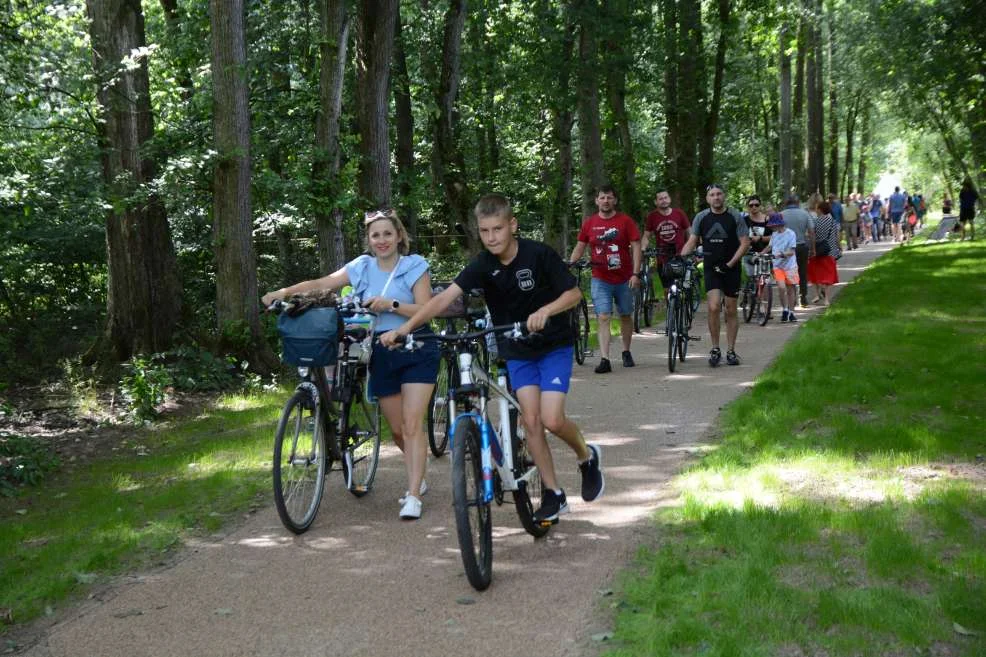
[{"x": 393, "y": 284}]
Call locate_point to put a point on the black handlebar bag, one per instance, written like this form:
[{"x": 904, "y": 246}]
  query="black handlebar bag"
[{"x": 310, "y": 339}]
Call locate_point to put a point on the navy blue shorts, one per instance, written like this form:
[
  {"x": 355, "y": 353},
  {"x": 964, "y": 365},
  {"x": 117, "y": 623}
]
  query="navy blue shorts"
[{"x": 390, "y": 369}]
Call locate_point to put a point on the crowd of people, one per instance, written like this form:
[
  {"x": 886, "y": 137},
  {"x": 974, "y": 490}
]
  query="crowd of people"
[{"x": 526, "y": 281}]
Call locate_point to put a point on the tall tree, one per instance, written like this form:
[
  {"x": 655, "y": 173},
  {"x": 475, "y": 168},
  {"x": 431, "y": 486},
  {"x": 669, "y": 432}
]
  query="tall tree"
[
  {"x": 672, "y": 112},
  {"x": 560, "y": 101},
  {"x": 333, "y": 42},
  {"x": 374, "y": 48},
  {"x": 785, "y": 164},
  {"x": 590, "y": 131},
  {"x": 448, "y": 161},
  {"x": 691, "y": 100},
  {"x": 799, "y": 141},
  {"x": 617, "y": 61},
  {"x": 864, "y": 147},
  {"x": 833, "y": 134},
  {"x": 814, "y": 101},
  {"x": 237, "y": 312},
  {"x": 706, "y": 163},
  {"x": 404, "y": 127},
  {"x": 143, "y": 290}
]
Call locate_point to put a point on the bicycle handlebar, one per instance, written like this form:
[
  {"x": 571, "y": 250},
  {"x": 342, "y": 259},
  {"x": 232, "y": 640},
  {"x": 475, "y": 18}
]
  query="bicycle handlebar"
[{"x": 515, "y": 331}]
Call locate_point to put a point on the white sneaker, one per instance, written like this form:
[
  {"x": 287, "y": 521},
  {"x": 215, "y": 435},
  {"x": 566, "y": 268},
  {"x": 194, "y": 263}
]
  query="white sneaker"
[
  {"x": 411, "y": 510},
  {"x": 421, "y": 491}
]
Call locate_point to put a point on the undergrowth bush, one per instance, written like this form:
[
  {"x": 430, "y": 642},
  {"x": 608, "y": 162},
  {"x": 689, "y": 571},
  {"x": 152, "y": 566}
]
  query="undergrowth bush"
[{"x": 24, "y": 461}]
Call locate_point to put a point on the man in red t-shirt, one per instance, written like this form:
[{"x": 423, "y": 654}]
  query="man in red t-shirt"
[
  {"x": 670, "y": 229},
  {"x": 613, "y": 240}
]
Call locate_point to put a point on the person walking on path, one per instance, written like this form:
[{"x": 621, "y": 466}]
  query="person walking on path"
[
  {"x": 756, "y": 224},
  {"x": 526, "y": 281},
  {"x": 850, "y": 222},
  {"x": 822, "y": 272},
  {"x": 725, "y": 239},
  {"x": 876, "y": 215},
  {"x": 967, "y": 209},
  {"x": 670, "y": 229},
  {"x": 613, "y": 240},
  {"x": 783, "y": 249},
  {"x": 799, "y": 221},
  {"x": 897, "y": 204},
  {"x": 395, "y": 285}
]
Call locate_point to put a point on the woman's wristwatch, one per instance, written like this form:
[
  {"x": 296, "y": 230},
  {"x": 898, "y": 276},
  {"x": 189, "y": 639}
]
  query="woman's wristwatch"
[{"x": 395, "y": 304}]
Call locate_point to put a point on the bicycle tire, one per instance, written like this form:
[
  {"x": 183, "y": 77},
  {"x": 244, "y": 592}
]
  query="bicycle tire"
[
  {"x": 438, "y": 425},
  {"x": 648, "y": 301},
  {"x": 749, "y": 303},
  {"x": 581, "y": 325},
  {"x": 766, "y": 298},
  {"x": 638, "y": 307},
  {"x": 684, "y": 325},
  {"x": 473, "y": 517},
  {"x": 672, "y": 331},
  {"x": 527, "y": 497},
  {"x": 698, "y": 283},
  {"x": 361, "y": 441},
  {"x": 299, "y": 481}
]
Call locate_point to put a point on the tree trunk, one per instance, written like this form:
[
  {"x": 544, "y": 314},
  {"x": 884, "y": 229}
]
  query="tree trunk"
[
  {"x": 374, "y": 48},
  {"x": 590, "y": 133},
  {"x": 690, "y": 101},
  {"x": 798, "y": 138},
  {"x": 333, "y": 42},
  {"x": 628, "y": 174},
  {"x": 172, "y": 19},
  {"x": 833, "y": 171},
  {"x": 562, "y": 120},
  {"x": 784, "y": 131},
  {"x": 669, "y": 16},
  {"x": 706, "y": 166},
  {"x": 818, "y": 131},
  {"x": 237, "y": 313},
  {"x": 813, "y": 102},
  {"x": 449, "y": 163},
  {"x": 143, "y": 290},
  {"x": 864, "y": 146},
  {"x": 850, "y": 137},
  {"x": 404, "y": 125}
]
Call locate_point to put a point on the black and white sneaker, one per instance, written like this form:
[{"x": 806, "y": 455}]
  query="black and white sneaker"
[
  {"x": 732, "y": 358},
  {"x": 715, "y": 356},
  {"x": 593, "y": 481},
  {"x": 784, "y": 316},
  {"x": 552, "y": 505}
]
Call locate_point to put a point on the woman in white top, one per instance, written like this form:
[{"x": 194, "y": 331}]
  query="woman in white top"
[{"x": 394, "y": 285}]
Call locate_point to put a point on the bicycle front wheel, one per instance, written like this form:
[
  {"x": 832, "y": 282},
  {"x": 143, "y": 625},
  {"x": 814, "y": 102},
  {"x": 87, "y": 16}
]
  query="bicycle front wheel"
[
  {"x": 749, "y": 302},
  {"x": 648, "y": 284},
  {"x": 638, "y": 308},
  {"x": 581, "y": 324},
  {"x": 473, "y": 516},
  {"x": 300, "y": 462},
  {"x": 438, "y": 424},
  {"x": 527, "y": 497},
  {"x": 684, "y": 325},
  {"x": 672, "y": 331},
  {"x": 361, "y": 442},
  {"x": 765, "y": 299}
]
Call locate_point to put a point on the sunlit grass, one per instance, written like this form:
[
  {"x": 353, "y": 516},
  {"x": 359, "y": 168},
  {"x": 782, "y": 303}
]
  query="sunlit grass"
[{"x": 844, "y": 510}]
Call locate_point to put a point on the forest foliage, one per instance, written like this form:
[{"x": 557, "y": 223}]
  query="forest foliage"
[{"x": 422, "y": 106}]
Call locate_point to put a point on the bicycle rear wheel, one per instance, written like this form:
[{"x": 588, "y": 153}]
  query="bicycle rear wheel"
[
  {"x": 527, "y": 497},
  {"x": 765, "y": 300},
  {"x": 648, "y": 284},
  {"x": 748, "y": 300},
  {"x": 683, "y": 327},
  {"x": 580, "y": 322},
  {"x": 438, "y": 424},
  {"x": 672, "y": 330},
  {"x": 473, "y": 516},
  {"x": 300, "y": 462},
  {"x": 698, "y": 283},
  {"x": 361, "y": 442},
  {"x": 638, "y": 308}
]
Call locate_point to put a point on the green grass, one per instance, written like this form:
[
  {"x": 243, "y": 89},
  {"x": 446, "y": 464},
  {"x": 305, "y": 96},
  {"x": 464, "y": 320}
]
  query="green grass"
[
  {"x": 844, "y": 509},
  {"x": 79, "y": 528}
]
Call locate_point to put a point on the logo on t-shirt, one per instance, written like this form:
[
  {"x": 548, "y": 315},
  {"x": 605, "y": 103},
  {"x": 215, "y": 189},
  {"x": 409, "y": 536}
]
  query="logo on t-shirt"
[
  {"x": 525, "y": 280},
  {"x": 716, "y": 233},
  {"x": 667, "y": 231}
]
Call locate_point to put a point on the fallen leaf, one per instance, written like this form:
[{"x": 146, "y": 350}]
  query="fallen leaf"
[
  {"x": 605, "y": 592},
  {"x": 963, "y": 631},
  {"x": 224, "y": 611},
  {"x": 21, "y": 512},
  {"x": 602, "y": 636},
  {"x": 128, "y": 613},
  {"x": 465, "y": 600}
]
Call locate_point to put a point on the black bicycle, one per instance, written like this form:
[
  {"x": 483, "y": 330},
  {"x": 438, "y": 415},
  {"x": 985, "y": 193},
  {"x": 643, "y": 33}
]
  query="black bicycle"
[
  {"x": 643, "y": 296},
  {"x": 757, "y": 296},
  {"x": 329, "y": 419},
  {"x": 681, "y": 308},
  {"x": 580, "y": 315}
]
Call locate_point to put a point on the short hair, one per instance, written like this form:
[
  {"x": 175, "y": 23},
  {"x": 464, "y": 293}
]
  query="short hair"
[
  {"x": 493, "y": 205},
  {"x": 824, "y": 207},
  {"x": 403, "y": 239},
  {"x": 662, "y": 190},
  {"x": 606, "y": 189},
  {"x": 792, "y": 198},
  {"x": 753, "y": 197}
]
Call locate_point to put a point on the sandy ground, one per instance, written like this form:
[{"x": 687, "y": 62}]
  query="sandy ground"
[{"x": 363, "y": 583}]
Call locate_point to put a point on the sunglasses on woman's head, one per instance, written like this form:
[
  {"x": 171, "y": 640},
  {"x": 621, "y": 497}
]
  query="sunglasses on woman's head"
[{"x": 373, "y": 215}]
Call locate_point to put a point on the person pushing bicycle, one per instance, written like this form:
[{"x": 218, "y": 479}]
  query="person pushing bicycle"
[{"x": 526, "y": 281}]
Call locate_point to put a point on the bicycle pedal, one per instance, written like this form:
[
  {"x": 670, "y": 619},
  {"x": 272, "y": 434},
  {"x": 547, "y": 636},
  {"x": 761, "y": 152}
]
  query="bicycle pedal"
[
  {"x": 360, "y": 489},
  {"x": 548, "y": 523}
]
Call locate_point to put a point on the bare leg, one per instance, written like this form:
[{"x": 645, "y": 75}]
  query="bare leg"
[
  {"x": 392, "y": 408},
  {"x": 713, "y": 303},
  {"x": 602, "y": 324},
  {"x": 542, "y": 410},
  {"x": 732, "y": 323},
  {"x": 416, "y": 397},
  {"x": 626, "y": 330}
]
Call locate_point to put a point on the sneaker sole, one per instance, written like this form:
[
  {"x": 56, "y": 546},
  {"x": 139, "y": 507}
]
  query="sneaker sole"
[
  {"x": 602, "y": 477},
  {"x": 553, "y": 520}
]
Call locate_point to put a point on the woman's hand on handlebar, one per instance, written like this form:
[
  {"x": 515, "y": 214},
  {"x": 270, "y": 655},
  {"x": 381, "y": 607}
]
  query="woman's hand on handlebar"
[
  {"x": 393, "y": 339},
  {"x": 271, "y": 297},
  {"x": 379, "y": 304}
]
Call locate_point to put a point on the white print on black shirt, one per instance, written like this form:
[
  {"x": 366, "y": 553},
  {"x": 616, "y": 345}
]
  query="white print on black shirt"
[{"x": 525, "y": 280}]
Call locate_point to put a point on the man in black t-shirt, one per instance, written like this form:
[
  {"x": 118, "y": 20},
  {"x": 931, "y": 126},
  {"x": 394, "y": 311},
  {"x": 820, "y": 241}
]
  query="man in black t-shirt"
[
  {"x": 526, "y": 281},
  {"x": 725, "y": 238}
]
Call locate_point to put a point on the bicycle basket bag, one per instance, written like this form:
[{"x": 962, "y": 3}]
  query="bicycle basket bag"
[
  {"x": 675, "y": 267},
  {"x": 310, "y": 339}
]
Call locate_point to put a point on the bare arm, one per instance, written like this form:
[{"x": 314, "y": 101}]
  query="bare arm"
[
  {"x": 422, "y": 294},
  {"x": 437, "y": 304},
  {"x": 690, "y": 245},
  {"x": 577, "y": 251},
  {"x": 743, "y": 248},
  {"x": 333, "y": 281},
  {"x": 567, "y": 299}
]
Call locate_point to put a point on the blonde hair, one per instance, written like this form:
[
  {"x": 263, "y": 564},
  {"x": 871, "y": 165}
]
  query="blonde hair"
[
  {"x": 403, "y": 239},
  {"x": 493, "y": 205},
  {"x": 813, "y": 201}
]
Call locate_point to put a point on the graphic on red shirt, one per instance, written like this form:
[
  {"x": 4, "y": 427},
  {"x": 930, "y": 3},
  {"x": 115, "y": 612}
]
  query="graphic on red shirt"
[
  {"x": 669, "y": 231},
  {"x": 609, "y": 246}
]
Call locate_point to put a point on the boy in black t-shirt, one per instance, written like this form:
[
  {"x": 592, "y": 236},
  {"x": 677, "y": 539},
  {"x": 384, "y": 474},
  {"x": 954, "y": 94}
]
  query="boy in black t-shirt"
[{"x": 526, "y": 281}]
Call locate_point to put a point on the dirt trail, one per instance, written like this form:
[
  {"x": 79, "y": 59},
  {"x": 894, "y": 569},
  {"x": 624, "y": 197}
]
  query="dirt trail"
[{"x": 362, "y": 583}]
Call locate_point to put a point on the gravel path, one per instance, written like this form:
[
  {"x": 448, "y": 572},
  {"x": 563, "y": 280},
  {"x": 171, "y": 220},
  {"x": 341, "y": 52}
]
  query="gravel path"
[{"x": 362, "y": 583}]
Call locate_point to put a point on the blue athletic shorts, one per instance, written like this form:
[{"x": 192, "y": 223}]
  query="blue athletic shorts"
[
  {"x": 551, "y": 372},
  {"x": 389, "y": 369},
  {"x": 603, "y": 294},
  {"x": 895, "y": 217}
]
